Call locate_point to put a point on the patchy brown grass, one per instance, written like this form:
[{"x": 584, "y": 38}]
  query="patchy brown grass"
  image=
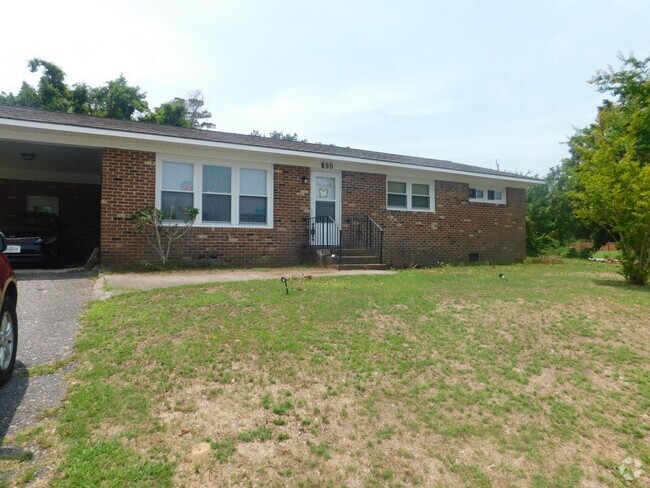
[{"x": 444, "y": 377}]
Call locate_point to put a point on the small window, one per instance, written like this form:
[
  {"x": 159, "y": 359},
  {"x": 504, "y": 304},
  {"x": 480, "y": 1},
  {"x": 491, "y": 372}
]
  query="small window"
[
  {"x": 177, "y": 189},
  {"x": 475, "y": 193},
  {"x": 494, "y": 195},
  {"x": 252, "y": 196},
  {"x": 486, "y": 195},
  {"x": 397, "y": 194},
  {"x": 409, "y": 195},
  {"x": 420, "y": 197}
]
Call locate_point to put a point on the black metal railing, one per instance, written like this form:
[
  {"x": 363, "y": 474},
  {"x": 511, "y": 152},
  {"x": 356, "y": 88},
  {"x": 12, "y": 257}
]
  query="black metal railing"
[
  {"x": 365, "y": 232},
  {"x": 325, "y": 233}
]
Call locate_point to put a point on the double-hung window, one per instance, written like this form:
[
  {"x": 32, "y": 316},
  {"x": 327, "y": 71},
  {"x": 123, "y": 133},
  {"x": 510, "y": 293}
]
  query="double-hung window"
[
  {"x": 409, "y": 195},
  {"x": 226, "y": 194},
  {"x": 420, "y": 198},
  {"x": 397, "y": 195},
  {"x": 177, "y": 189},
  {"x": 217, "y": 194},
  {"x": 252, "y": 196},
  {"x": 489, "y": 195}
]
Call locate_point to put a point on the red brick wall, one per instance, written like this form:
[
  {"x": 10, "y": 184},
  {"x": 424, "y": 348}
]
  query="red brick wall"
[
  {"x": 448, "y": 235},
  {"x": 78, "y": 208},
  {"x": 456, "y": 229},
  {"x": 129, "y": 185}
]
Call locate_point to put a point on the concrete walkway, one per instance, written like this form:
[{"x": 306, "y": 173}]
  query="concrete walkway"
[{"x": 110, "y": 284}]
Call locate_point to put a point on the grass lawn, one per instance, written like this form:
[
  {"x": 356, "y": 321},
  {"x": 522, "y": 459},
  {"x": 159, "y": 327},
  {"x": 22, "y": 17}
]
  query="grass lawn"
[
  {"x": 608, "y": 254},
  {"x": 440, "y": 377}
]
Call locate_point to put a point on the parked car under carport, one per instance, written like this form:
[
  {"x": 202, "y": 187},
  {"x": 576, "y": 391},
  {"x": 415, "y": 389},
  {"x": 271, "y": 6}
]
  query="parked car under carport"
[{"x": 34, "y": 237}]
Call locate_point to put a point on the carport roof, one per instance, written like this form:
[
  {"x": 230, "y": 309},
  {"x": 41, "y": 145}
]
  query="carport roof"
[{"x": 125, "y": 126}]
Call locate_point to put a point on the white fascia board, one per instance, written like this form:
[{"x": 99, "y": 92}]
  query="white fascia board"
[{"x": 116, "y": 135}]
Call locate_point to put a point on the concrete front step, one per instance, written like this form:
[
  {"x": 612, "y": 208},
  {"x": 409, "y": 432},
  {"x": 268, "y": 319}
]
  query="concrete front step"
[
  {"x": 361, "y": 251},
  {"x": 342, "y": 267},
  {"x": 366, "y": 259}
]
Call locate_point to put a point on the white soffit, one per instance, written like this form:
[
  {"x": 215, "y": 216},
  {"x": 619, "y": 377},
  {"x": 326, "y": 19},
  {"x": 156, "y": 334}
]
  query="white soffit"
[{"x": 95, "y": 137}]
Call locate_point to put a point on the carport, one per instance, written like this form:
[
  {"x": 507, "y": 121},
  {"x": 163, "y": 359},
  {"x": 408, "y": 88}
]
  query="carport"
[{"x": 59, "y": 178}]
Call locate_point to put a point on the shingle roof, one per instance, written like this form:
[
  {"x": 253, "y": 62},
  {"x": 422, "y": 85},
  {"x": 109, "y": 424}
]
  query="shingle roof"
[{"x": 75, "y": 120}]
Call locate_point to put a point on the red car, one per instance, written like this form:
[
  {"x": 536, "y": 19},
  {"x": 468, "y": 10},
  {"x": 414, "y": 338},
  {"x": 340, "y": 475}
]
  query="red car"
[{"x": 8, "y": 318}]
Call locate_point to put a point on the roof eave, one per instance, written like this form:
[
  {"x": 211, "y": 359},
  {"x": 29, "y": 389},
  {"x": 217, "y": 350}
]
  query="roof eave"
[{"x": 140, "y": 136}]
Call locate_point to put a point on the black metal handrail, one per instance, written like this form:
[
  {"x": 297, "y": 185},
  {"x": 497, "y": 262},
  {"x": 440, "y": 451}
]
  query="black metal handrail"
[
  {"x": 325, "y": 233},
  {"x": 365, "y": 232}
]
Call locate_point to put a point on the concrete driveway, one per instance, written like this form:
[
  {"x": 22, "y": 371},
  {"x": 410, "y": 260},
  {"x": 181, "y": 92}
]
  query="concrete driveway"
[{"x": 49, "y": 303}]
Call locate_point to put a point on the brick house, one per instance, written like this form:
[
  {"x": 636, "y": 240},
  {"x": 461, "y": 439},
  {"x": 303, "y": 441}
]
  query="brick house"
[{"x": 262, "y": 201}]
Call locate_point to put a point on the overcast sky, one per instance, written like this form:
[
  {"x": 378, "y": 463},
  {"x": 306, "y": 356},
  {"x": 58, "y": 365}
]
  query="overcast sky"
[{"x": 468, "y": 81}]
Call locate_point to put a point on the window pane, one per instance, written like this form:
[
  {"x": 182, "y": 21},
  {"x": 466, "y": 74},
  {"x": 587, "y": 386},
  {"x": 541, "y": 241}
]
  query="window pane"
[
  {"x": 252, "y": 210},
  {"x": 325, "y": 188},
  {"x": 490, "y": 194},
  {"x": 397, "y": 200},
  {"x": 479, "y": 193},
  {"x": 177, "y": 201},
  {"x": 396, "y": 187},
  {"x": 216, "y": 208},
  {"x": 420, "y": 202},
  {"x": 216, "y": 179},
  {"x": 178, "y": 176},
  {"x": 326, "y": 209},
  {"x": 419, "y": 189},
  {"x": 497, "y": 195},
  {"x": 472, "y": 192},
  {"x": 252, "y": 181}
]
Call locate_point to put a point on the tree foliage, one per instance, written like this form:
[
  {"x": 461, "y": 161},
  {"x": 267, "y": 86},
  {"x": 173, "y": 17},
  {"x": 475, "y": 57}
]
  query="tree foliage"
[
  {"x": 279, "y": 135},
  {"x": 116, "y": 99},
  {"x": 612, "y": 174},
  {"x": 161, "y": 229}
]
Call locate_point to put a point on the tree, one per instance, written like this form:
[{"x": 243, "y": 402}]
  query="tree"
[
  {"x": 180, "y": 112},
  {"x": 161, "y": 230},
  {"x": 115, "y": 100},
  {"x": 170, "y": 113},
  {"x": 550, "y": 211},
  {"x": 613, "y": 170},
  {"x": 195, "y": 111},
  {"x": 279, "y": 135},
  {"x": 52, "y": 92},
  {"x": 118, "y": 100}
]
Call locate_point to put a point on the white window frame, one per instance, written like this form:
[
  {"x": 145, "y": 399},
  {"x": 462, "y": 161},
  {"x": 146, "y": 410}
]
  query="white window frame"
[
  {"x": 485, "y": 190},
  {"x": 235, "y": 166},
  {"x": 409, "y": 194}
]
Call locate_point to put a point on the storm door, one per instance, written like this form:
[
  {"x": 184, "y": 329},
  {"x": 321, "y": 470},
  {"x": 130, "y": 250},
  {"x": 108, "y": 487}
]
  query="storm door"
[{"x": 325, "y": 209}]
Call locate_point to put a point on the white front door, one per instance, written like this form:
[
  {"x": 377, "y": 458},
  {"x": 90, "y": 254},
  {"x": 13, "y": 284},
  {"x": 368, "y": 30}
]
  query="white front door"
[{"x": 325, "y": 209}]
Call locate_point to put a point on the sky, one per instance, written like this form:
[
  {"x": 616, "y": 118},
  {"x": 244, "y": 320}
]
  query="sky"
[{"x": 478, "y": 82}]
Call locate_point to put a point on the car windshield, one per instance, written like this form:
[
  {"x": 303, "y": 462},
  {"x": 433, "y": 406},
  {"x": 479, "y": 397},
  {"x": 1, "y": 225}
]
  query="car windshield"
[{"x": 22, "y": 224}]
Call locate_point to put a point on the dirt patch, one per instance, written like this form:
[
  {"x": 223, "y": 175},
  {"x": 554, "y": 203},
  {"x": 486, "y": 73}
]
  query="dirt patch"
[{"x": 112, "y": 284}]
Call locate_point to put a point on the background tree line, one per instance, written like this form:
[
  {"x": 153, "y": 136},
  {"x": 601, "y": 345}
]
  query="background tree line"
[
  {"x": 601, "y": 192},
  {"x": 116, "y": 99}
]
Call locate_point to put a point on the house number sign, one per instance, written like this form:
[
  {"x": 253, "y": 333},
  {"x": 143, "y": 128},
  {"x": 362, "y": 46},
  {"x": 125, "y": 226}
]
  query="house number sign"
[{"x": 325, "y": 165}]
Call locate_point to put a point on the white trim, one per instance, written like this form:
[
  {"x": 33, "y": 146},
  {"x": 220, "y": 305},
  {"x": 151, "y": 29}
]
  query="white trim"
[
  {"x": 409, "y": 194},
  {"x": 236, "y": 165},
  {"x": 126, "y": 135}
]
